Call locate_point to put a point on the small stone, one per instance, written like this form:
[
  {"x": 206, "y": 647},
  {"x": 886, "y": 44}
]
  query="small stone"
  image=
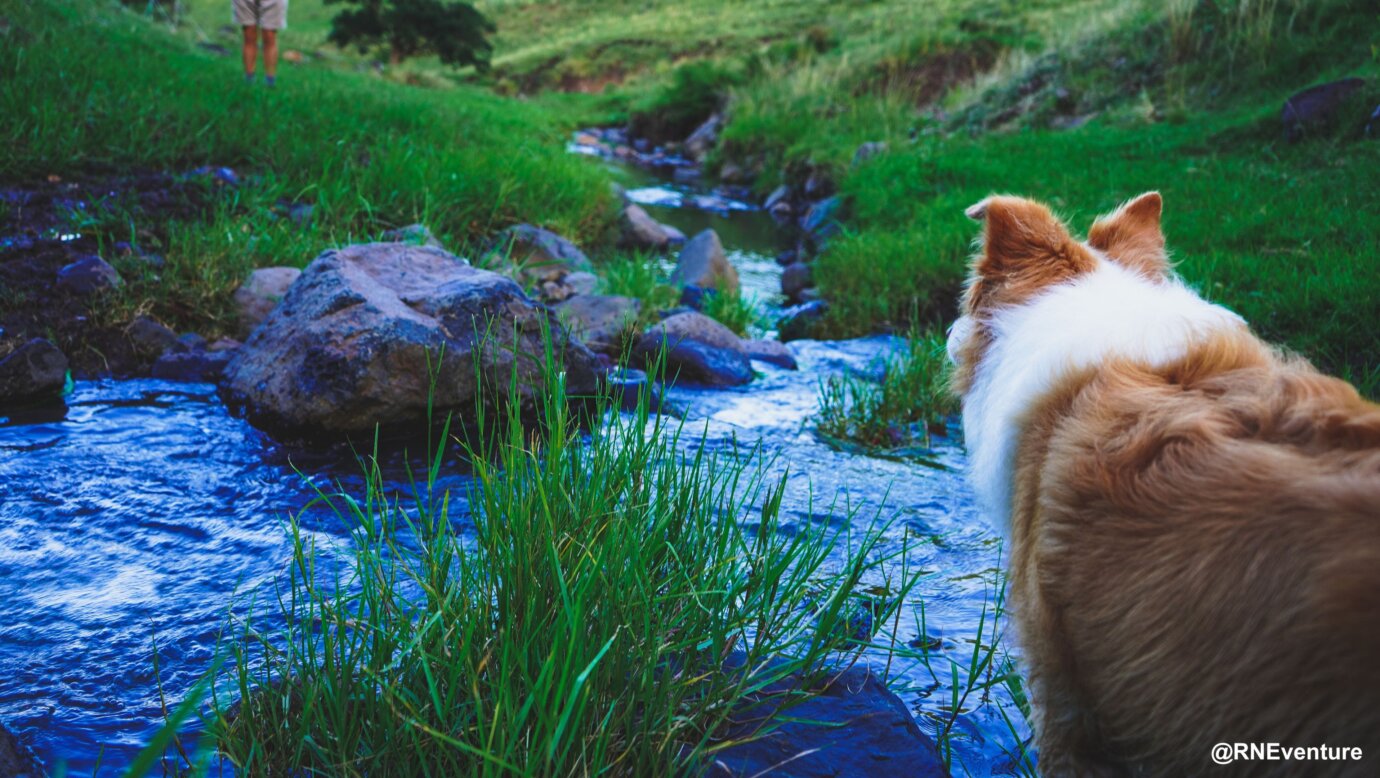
[
  {"x": 640, "y": 230},
  {"x": 88, "y": 275},
  {"x": 223, "y": 344},
  {"x": 686, "y": 175},
  {"x": 537, "y": 255},
  {"x": 260, "y": 294},
  {"x": 34, "y": 371},
  {"x": 413, "y": 234},
  {"x": 192, "y": 366},
  {"x": 801, "y": 321},
  {"x": 191, "y": 341},
  {"x": 581, "y": 283},
  {"x": 779, "y": 199},
  {"x": 625, "y": 385},
  {"x": 694, "y": 297},
  {"x": 1316, "y": 105},
  {"x": 703, "y": 263},
  {"x": 151, "y": 338},
  {"x": 704, "y": 137},
  {"x": 601, "y": 321},
  {"x": 819, "y": 219},
  {"x": 867, "y": 151},
  {"x": 773, "y": 352},
  {"x": 795, "y": 279},
  {"x": 697, "y": 349}
]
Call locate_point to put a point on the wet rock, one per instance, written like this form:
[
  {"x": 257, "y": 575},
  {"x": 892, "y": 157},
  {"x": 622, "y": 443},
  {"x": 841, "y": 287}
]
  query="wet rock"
[
  {"x": 356, "y": 339},
  {"x": 695, "y": 297},
  {"x": 867, "y": 151},
  {"x": 800, "y": 322},
  {"x": 16, "y": 760},
  {"x": 819, "y": 185},
  {"x": 773, "y": 352},
  {"x": 150, "y": 338},
  {"x": 779, "y": 201},
  {"x": 414, "y": 234},
  {"x": 192, "y": 366},
  {"x": 259, "y": 295},
  {"x": 538, "y": 255},
  {"x": 1316, "y": 105},
  {"x": 703, "y": 138},
  {"x": 88, "y": 275},
  {"x": 854, "y": 728},
  {"x": 698, "y": 349},
  {"x": 820, "y": 219},
  {"x": 36, "y": 370},
  {"x": 795, "y": 279},
  {"x": 641, "y": 231},
  {"x": 810, "y": 295},
  {"x": 703, "y": 263},
  {"x": 601, "y": 321},
  {"x": 624, "y": 386}
]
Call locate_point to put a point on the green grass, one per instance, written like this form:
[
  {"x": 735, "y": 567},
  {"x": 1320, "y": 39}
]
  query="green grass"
[
  {"x": 580, "y": 629},
  {"x": 897, "y": 412},
  {"x": 739, "y": 312},
  {"x": 119, "y": 94}
]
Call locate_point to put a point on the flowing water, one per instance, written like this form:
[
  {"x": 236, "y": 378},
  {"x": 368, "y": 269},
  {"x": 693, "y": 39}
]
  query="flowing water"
[{"x": 136, "y": 516}]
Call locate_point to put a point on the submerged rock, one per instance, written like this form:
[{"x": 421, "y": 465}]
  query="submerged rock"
[
  {"x": 854, "y": 728},
  {"x": 259, "y": 295},
  {"x": 88, "y": 275},
  {"x": 698, "y": 349},
  {"x": 703, "y": 263},
  {"x": 36, "y": 370},
  {"x": 356, "y": 339},
  {"x": 16, "y": 760}
]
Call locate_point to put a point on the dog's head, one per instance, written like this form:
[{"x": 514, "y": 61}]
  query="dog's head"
[{"x": 1026, "y": 249}]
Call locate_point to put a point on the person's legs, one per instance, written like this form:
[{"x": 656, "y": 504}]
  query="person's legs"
[
  {"x": 270, "y": 54},
  {"x": 251, "y": 50}
]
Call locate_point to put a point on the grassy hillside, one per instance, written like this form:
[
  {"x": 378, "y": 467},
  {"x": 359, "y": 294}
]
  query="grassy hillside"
[{"x": 89, "y": 89}]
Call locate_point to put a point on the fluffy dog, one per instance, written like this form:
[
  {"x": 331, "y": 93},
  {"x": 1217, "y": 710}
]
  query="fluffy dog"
[{"x": 1193, "y": 516}]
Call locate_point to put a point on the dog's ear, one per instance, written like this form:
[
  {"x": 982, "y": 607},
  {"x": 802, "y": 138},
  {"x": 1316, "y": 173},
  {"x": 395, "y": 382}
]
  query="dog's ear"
[
  {"x": 1023, "y": 238},
  {"x": 1131, "y": 236}
]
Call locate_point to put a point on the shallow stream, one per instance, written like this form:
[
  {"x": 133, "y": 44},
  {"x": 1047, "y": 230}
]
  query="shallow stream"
[{"x": 137, "y": 516}]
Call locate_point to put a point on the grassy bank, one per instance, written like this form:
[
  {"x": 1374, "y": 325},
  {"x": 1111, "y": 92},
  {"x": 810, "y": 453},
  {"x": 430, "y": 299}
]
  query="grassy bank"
[{"x": 89, "y": 89}]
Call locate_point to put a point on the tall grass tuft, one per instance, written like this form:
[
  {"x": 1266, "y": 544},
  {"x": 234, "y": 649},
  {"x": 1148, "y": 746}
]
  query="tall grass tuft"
[
  {"x": 900, "y": 410},
  {"x": 573, "y": 618}
]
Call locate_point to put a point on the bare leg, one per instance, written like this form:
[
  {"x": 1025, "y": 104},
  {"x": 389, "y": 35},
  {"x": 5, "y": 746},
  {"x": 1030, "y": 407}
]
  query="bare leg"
[
  {"x": 270, "y": 53},
  {"x": 251, "y": 50}
]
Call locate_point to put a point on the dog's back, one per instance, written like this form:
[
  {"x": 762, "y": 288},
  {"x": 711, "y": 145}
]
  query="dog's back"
[{"x": 1195, "y": 519}]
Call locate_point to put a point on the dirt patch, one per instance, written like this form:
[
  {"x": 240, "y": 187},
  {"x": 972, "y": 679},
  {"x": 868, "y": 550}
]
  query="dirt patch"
[{"x": 48, "y": 225}]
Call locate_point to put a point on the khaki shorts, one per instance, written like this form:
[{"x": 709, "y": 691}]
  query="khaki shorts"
[{"x": 264, "y": 14}]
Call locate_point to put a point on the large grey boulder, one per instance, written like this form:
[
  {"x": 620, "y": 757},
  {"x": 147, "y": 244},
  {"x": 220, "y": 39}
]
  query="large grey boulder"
[
  {"x": 698, "y": 350},
  {"x": 599, "y": 321},
  {"x": 259, "y": 295},
  {"x": 537, "y": 255},
  {"x": 703, "y": 263},
  {"x": 355, "y": 339},
  {"x": 36, "y": 370}
]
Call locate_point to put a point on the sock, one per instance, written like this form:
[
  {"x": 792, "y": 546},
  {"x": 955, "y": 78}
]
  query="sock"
[{"x": 269, "y": 80}]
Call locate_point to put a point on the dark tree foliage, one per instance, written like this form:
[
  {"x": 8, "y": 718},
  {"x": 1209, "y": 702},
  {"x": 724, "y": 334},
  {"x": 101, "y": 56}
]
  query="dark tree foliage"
[{"x": 455, "y": 31}]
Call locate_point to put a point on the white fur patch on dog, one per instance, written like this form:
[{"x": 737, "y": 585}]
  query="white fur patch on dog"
[{"x": 1110, "y": 312}]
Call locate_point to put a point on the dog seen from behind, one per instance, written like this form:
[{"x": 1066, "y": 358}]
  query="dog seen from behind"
[{"x": 1193, "y": 516}]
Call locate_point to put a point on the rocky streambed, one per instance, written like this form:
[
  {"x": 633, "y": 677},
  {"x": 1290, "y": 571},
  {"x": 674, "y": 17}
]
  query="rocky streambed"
[{"x": 137, "y": 510}]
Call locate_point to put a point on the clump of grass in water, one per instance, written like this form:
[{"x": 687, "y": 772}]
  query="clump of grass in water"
[
  {"x": 897, "y": 413},
  {"x": 734, "y": 310},
  {"x": 579, "y": 629}
]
